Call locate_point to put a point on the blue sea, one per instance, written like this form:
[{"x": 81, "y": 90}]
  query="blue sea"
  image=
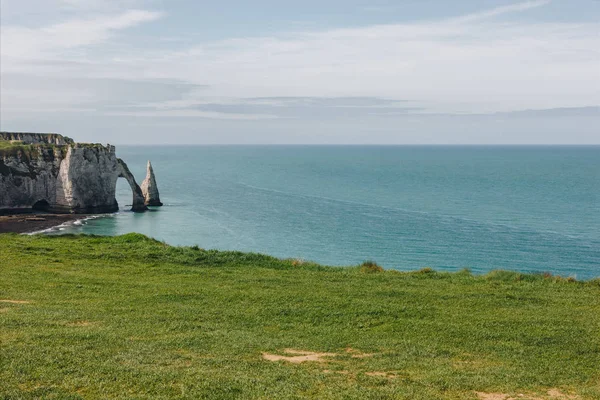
[{"x": 529, "y": 209}]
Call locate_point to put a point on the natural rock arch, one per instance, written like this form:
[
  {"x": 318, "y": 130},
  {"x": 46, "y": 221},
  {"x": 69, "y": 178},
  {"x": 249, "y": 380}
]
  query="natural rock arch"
[
  {"x": 57, "y": 175},
  {"x": 138, "y": 197}
]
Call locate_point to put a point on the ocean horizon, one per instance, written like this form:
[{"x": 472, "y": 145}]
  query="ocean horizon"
[{"x": 528, "y": 208}]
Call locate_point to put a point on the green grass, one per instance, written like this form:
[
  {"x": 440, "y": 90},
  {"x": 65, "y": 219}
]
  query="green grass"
[
  {"x": 31, "y": 151},
  {"x": 28, "y": 151},
  {"x": 7, "y": 144},
  {"x": 132, "y": 318}
]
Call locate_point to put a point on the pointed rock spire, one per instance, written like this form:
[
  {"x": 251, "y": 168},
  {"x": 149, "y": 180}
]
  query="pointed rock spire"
[{"x": 149, "y": 188}]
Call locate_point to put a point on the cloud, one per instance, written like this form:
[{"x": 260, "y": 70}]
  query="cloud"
[
  {"x": 589, "y": 111},
  {"x": 261, "y": 108},
  {"x": 77, "y": 94},
  {"x": 34, "y": 13},
  {"x": 308, "y": 107},
  {"x": 329, "y": 102},
  {"x": 176, "y": 113},
  {"x": 96, "y": 5},
  {"x": 511, "y": 8},
  {"x": 473, "y": 66},
  {"x": 494, "y": 12},
  {"x": 485, "y": 62},
  {"x": 49, "y": 41}
]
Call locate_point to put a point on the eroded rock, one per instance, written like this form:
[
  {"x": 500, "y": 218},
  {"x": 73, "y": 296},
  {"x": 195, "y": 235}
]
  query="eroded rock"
[
  {"x": 150, "y": 188},
  {"x": 58, "y": 175}
]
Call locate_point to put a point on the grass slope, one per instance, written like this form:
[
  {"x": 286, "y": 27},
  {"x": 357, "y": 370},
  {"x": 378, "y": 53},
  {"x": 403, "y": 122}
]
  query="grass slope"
[{"x": 129, "y": 317}]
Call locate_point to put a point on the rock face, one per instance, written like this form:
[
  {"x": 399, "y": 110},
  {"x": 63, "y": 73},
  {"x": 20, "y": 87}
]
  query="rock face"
[
  {"x": 150, "y": 189},
  {"x": 62, "y": 178},
  {"x": 36, "y": 138}
]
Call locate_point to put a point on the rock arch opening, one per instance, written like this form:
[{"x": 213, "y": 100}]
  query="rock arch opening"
[{"x": 137, "y": 202}]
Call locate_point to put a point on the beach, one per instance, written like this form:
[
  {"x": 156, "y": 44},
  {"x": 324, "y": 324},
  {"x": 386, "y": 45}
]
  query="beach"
[{"x": 30, "y": 223}]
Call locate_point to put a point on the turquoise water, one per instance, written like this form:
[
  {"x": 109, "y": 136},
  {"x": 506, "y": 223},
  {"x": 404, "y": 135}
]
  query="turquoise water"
[{"x": 406, "y": 207}]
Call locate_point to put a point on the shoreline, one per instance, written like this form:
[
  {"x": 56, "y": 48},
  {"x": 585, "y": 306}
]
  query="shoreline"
[{"x": 31, "y": 223}]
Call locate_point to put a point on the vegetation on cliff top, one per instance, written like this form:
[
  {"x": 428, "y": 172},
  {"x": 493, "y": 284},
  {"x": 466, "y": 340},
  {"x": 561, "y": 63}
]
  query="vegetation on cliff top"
[
  {"x": 11, "y": 136},
  {"x": 33, "y": 151},
  {"x": 130, "y": 317},
  {"x": 28, "y": 151},
  {"x": 13, "y": 148}
]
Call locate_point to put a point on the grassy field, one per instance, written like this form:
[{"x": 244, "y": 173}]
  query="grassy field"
[{"x": 131, "y": 318}]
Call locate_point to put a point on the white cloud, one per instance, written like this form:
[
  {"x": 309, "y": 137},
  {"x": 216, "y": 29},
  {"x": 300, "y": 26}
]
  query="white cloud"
[
  {"x": 35, "y": 43},
  {"x": 511, "y": 8},
  {"x": 194, "y": 114},
  {"x": 471, "y": 64},
  {"x": 478, "y": 66}
]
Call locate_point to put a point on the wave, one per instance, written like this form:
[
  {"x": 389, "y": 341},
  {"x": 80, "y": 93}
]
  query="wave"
[{"x": 68, "y": 224}]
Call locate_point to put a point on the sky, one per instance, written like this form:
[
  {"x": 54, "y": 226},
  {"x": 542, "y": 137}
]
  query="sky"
[{"x": 302, "y": 72}]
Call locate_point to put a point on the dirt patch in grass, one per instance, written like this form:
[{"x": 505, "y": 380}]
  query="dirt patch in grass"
[
  {"x": 551, "y": 394},
  {"x": 557, "y": 394},
  {"x": 82, "y": 323},
  {"x": 376, "y": 374},
  {"x": 15, "y": 301},
  {"x": 493, "y": 396},
  {"x": 469, "y": 363},
  {"x": 298, "y": 356},
  {"x": 381, "y": 374}
]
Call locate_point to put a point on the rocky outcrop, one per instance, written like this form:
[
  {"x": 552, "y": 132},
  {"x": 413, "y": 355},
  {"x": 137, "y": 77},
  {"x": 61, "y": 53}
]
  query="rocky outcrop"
[
  {"x": 65, "y": 178},
  {"x": 28, "y": 177},
  {"x": 150, "y": 189},
  {"x": 36, "y": 138}
]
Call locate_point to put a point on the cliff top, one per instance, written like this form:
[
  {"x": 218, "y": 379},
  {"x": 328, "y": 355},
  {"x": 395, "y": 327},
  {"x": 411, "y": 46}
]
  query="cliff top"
[
  {"x": 11, "y": 143},
  {"x": 36, "y": 138}
]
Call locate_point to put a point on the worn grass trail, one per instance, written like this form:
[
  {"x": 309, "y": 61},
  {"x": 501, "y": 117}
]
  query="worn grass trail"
[{"x": 129, "y": 317}]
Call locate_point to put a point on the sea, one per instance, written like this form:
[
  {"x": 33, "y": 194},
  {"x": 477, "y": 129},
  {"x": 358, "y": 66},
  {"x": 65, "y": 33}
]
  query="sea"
[{"x": 531, "y": 209}]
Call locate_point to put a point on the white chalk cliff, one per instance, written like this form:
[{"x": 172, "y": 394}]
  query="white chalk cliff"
[{"x": 58, "y": 175}]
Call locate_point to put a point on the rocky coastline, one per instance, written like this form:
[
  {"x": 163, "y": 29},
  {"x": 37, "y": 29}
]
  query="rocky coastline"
[{"x": 52, "y": 173}]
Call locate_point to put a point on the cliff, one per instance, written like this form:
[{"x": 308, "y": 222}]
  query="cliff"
[
  {"x": 150, "y": 188},
  {"x": 36, "y": 138},
  {"x": 52, "y": 173}
]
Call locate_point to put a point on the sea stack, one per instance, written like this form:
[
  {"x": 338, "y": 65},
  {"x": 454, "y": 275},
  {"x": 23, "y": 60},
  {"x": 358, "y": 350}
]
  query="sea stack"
[{"x": 150, "y": 189}]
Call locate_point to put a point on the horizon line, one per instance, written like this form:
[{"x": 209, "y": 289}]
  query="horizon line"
[{"x": 363, "y": 144}]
